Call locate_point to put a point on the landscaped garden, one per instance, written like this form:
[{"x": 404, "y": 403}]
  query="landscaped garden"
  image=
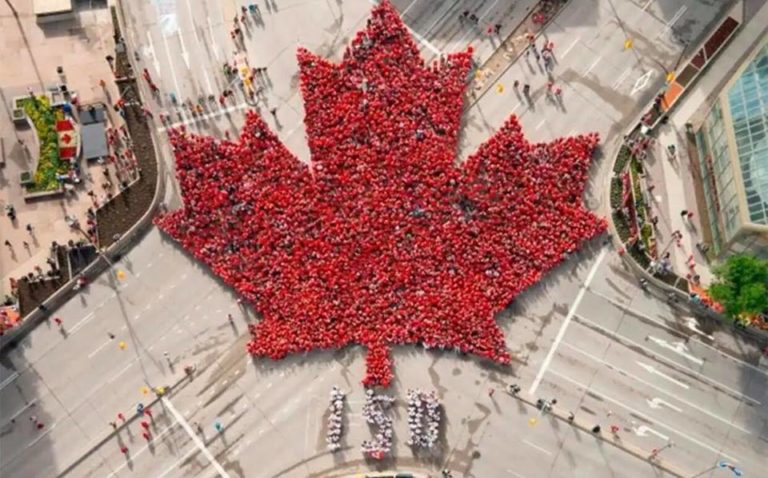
[{"x": 43, "y": 117}]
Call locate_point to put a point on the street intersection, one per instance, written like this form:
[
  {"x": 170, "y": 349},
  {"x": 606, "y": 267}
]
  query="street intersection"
[{"x": 586, "y": 335}]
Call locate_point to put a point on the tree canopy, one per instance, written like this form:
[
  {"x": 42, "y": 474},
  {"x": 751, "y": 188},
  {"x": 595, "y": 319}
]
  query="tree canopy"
[{"x": 741, "y": 285}]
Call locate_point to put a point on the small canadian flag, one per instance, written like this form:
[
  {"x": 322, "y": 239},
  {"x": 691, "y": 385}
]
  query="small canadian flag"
[{"x": 68, "y": 139}]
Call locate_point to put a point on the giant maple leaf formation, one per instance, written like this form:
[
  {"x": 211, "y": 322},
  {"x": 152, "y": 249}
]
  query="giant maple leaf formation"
[{"x": 382, "y": 239}]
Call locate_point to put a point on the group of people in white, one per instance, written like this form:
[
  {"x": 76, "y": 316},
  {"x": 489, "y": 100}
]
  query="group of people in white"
[
  {"x": 423, "y": 418},
  {"x": 423, "y": 421},
  {"x": 335, "y": 427},
  {"x": 374, "y": 412}
]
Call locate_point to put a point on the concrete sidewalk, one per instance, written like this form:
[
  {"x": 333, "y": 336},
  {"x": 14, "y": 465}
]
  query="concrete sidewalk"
[
  {"x": 674, "y": 179},
  {"x": 35, "y": 51}
]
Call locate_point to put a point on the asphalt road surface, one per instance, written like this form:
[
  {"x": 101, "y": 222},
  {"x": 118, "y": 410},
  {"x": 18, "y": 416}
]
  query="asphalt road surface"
[{"x": 586, "y": 335}]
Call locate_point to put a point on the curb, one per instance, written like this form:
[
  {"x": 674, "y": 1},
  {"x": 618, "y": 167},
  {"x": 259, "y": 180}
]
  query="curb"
[
  {"x": 102, "y": 262},
  {"x": 683, "y": 298},
  {"x": 633, "y": 450}
]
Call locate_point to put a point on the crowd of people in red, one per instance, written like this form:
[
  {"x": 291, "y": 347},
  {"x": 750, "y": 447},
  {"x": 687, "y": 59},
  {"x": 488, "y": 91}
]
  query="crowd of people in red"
[{"x": 383, "y": 239}]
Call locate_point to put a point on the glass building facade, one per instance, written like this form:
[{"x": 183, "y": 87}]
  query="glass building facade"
[{"x": 733, "y": 161}]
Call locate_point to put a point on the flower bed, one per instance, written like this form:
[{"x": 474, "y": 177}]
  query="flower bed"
[{"x": 43, "y": 117}]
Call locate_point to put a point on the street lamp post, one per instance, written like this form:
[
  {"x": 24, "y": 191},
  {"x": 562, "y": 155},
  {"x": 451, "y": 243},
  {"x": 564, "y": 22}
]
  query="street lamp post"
[{"x": 655, "y": 452}]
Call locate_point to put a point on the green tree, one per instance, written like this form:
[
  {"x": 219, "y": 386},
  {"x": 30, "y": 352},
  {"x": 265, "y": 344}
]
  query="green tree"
[{"x": 741, "y": 285}]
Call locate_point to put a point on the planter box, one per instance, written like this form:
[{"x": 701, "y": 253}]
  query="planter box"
[
  {"x": 19, "y": 116},
  {"x": 26, "y": 178},
  {"x": 44, "y": 194}
]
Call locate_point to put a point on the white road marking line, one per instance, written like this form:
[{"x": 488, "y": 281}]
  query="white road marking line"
[
  {"x": 538, "y": 448},
  {"x": 155, "y": 63},
  {"x": 408, "y": 7},
  {"x": 8, "y": 380},
  {"x": 647, "y": 4},
  {"x": 642, "y": 82},
  {"x": 43, "y": 434},
  {"x": 424, "y": 41},
  {"x": 516, "y": 475},
  {"x": 177, "y": 90},
  {"x": 594, "y": 64},
  {"x": 671, "y": 363},
  {"x": 568, "y": 318},
  {"x": 82, "y": 322},
  {"x": 122, "y": 371},
  {"x": 184, "y": 52},
  {"x": 185, "y": 425},
  {"x": 97, "y": 349},
  {"x": 621, "y": 78},
  {"x": 643, "y": 416},
  {"x": 208, "y": 81},
  {"x": 678, "y": 347},
  {"x": 693, "y": 325},
  {"x": 418, "y": 37},
  {"x": 541, "y": 123},
  {"x": 652, "y": 370},
  {"x": 214, "y": 46},
  {"x": 675, "y": 331},
  {"x": 643, "y": 431},
  {"x": 658, "y": 389},
  {"x": 19, "y": 412},
  {"x": 668, "y": 26},
  {"x": 568, "y": 50},
  {"x": 657, "y": 402},
  {"x": 192, "y": 19}
]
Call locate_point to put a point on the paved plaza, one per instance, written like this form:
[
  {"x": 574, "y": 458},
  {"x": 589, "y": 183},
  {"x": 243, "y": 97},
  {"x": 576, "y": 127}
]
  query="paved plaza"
[
  {"x": 35, "y": 51},
  {"x": 587, "y": 335}
]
